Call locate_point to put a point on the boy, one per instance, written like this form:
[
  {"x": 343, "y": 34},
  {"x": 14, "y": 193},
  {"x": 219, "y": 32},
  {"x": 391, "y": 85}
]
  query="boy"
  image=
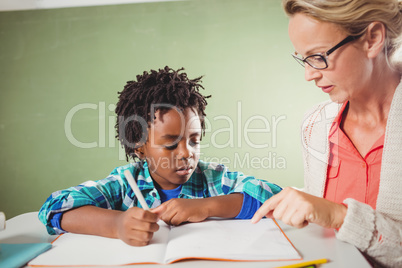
[{"x": 160, "y": 122}]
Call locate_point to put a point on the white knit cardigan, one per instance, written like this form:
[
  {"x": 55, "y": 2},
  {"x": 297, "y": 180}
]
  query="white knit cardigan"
[{"x": 377, "y": 233}]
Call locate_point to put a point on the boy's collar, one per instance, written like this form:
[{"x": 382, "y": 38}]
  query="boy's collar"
[
  {"x": 144, "y": 179},
  {"x": 194, "y": 187},
  {"x": 195, "y": 182}
]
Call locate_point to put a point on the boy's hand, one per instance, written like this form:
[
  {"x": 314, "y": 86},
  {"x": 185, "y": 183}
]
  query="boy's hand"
[
  {"x": 136, "y": 226},
  {"x": 176, "y": 210}
]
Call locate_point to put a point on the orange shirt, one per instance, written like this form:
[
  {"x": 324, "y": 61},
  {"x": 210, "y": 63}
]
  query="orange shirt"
[{"x": 349, "y": 174}]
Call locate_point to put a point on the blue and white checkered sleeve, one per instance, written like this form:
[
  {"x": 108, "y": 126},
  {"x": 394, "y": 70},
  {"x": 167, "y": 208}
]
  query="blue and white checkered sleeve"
[
  {"x": 237, "y": 182},
  {"x": 107, "y": 193}
]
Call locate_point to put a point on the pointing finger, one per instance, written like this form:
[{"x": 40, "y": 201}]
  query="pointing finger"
[{"x": 267, "y": 208}]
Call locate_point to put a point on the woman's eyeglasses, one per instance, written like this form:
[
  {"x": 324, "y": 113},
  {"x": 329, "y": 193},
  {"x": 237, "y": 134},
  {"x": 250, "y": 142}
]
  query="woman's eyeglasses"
[{"x": 319, "y": 61}]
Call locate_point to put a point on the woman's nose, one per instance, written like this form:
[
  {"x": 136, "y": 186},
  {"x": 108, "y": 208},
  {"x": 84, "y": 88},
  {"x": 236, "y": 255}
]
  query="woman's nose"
[{"x": 311, "y": 73}]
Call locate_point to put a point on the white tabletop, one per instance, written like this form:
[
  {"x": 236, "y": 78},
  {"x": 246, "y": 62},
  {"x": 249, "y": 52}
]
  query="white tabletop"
[{"x": 313, "y": 242}]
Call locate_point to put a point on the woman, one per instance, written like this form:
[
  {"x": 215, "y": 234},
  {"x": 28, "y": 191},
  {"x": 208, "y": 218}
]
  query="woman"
[{"x": 352, "y": 144}]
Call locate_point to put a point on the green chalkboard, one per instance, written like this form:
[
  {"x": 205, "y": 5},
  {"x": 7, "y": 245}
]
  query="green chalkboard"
[{"x": 61, "y": 69}]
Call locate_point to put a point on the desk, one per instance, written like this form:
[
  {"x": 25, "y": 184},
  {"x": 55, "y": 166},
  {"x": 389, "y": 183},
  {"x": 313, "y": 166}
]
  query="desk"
[{"x": 313, "y": 242}]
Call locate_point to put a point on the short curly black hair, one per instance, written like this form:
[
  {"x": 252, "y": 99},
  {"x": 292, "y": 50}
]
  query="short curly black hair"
[{"x": 165, "y": 88}]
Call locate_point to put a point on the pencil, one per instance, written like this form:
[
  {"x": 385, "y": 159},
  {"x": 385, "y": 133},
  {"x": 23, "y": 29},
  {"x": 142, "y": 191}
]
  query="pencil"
[
  {"x": 136, "y": 190},
  {"x": 304, "y": 264}
]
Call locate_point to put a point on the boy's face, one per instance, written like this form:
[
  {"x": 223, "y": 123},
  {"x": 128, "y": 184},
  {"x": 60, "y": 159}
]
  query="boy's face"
[{"x": 173, "y": 147}]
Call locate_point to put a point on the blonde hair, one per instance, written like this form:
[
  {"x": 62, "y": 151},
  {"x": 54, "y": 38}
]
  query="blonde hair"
[{"x": 354, "y": 16}]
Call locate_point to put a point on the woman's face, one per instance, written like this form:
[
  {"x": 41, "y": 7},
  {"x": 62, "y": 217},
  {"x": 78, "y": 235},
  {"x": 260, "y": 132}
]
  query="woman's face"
[{"x": 348, "y": 68}]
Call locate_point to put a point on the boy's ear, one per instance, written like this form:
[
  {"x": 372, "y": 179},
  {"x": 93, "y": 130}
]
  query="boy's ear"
[
  {"x": 375, "y": 38},
  {"x": 139, "y": 152}
]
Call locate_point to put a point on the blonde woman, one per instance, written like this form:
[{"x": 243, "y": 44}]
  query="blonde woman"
[{"x": 352, "y": 144}]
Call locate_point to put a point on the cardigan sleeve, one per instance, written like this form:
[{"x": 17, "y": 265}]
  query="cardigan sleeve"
[
  {"x": 373, "y": 233},
  {"x": 377, "y": 233}
]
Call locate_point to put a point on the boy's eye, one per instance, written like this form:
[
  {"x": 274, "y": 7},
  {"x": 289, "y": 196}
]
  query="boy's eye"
[{"x": 171, "y": 147}]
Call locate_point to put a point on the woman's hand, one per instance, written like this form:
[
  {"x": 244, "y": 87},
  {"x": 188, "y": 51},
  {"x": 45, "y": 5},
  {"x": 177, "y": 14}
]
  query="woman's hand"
[
  {"x": 136, "y": 226},
  {"x": 297, "y": 209}
]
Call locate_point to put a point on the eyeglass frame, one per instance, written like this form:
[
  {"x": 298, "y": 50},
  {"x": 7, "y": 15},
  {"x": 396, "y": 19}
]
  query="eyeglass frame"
[{"x": 324, "y": 56}]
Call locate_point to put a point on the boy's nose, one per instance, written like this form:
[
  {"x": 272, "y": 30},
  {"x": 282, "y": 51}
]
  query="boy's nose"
[{"x": 185, "y": 152}]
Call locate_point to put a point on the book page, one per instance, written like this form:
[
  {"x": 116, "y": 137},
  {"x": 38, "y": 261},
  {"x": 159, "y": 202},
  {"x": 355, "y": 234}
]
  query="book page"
[
  {"x": 230, "y": 240},
  {"x": 81, "y": 250}
]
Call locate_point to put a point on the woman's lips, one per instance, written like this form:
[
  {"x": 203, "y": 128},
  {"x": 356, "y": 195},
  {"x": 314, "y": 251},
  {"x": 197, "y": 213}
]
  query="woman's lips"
[{"x": 327, "y": 89}]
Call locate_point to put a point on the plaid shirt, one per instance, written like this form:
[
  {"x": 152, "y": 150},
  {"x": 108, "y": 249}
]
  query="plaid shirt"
[{"x": 114, "y": 192}]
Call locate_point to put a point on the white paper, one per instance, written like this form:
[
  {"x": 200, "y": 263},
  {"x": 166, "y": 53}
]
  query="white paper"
[
  {"x": 231, "y": 240},
  {"x": 80, "y": 250},
  {"x": 212, "y": 239}
]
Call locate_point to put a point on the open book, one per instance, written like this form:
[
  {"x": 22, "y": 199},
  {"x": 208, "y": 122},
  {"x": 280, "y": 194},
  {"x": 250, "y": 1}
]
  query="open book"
[{"x": 234, "y": 240}]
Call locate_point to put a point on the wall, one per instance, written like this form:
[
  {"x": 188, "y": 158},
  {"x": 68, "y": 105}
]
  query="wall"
[{"x": 61, "y": 69}]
